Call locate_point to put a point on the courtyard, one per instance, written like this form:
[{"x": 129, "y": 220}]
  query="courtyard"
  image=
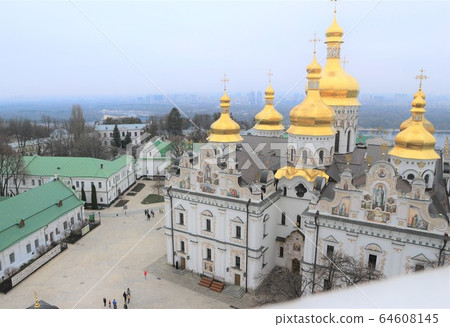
[{"x": 112, "y": 258}]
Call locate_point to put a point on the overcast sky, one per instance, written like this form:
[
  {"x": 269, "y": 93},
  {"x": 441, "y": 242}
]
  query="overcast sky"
[{"x": 51, "y": 48}]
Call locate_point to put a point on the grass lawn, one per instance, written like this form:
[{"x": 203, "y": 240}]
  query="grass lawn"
[{"x": 153, "y": 198}]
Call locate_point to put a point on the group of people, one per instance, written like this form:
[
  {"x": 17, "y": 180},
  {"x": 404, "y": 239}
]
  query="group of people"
[
  {"x": 126, "y": 300},
  {"x": 149, "y": 214}
]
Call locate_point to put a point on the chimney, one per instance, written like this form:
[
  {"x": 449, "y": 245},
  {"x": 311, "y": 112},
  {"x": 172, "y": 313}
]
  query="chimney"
[
  {"x": 60, "y": 203},
  {"x": 101, "y": 166},
  {"x": 21, "y": 223}
]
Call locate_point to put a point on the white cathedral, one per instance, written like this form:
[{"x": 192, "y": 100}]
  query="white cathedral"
[{"x": 243, "y": 205}]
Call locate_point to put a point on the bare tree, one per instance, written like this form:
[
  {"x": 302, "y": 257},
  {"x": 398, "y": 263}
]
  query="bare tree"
[
  {"x": 281, "y": 284},
  {"x": 341, "y": 270},
  {"x": 21, "y": 130}
]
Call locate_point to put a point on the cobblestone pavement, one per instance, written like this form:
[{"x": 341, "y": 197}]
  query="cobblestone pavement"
[{"x": 112, "y": 258}]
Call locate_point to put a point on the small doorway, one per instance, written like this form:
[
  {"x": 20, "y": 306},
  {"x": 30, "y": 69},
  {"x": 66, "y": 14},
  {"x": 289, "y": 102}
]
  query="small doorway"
[
  {"x": 183, "y": 264},
  {"x": 296, "y": 266},
  {"x": 51, "y": 237},
  {"x": 237, "y": 279}
]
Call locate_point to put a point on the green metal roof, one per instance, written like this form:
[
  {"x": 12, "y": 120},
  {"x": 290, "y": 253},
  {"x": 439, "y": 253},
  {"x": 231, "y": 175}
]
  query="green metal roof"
[
  {"x": 2, "y": 198},
  {"x": 37, "y": 207},
  {"x": 74, "y": 166},
  {"x": 163, "y": 146}
]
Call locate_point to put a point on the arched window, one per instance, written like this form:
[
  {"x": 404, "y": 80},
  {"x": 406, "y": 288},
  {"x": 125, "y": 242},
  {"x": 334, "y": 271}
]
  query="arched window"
[
  {"x": 427, "y": 179},
  {"x": 281, "y": 252},
  {"x": 292, "y": 154},
  {"x": 349, "y": 135},
  {"x": 410, "y": 177},
  {"x": 301, "y": 190},
  {"x": 299, "y": 220},
  {"x": 336, "y": 142},
  {"x": 284, "y": 190},
  {"x": 321, "y": 157},
  {"x": 305, "y": 157}
]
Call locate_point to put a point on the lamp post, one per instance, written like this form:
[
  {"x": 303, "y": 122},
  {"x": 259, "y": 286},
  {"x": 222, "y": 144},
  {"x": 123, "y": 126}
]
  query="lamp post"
[
  {"x": 441, "y": 251},
  {"x": 316, "y": 222}
]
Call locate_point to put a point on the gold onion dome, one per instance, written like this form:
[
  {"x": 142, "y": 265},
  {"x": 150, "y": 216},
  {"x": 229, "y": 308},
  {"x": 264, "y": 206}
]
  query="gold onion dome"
[
  {"x": 312, "y": 116},
  {"x": 426, "y": 123},
  {"x": 225, "y": 129},
  {"x": 269, "y": 118},
  {"x": 415, "y": 142},
  {"x": 337, "y": 87}
]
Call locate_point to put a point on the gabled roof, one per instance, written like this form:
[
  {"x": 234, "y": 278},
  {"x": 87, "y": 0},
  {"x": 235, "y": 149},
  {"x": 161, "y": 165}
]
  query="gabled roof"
[
  {"x": 163, "y": 146},
  {"x": 37, "y": 208},
  {"x": 74, "y": 166}
]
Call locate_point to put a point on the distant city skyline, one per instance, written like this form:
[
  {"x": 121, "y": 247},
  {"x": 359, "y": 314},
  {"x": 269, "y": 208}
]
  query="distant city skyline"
[{"x": 66, "y": 48}]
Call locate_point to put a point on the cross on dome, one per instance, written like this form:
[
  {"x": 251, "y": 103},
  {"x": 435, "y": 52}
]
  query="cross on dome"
[
  {"x": 315, "y": 40},
  {"x": 421, "y": 77},
  {"x": 270, "y": 74},
  {"x": 224, "y": 80}
]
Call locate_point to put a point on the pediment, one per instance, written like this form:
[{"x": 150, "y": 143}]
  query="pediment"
[
  {"x": 421, "y": 257},
  {"x": 237, "y": 220},
  {"x": 330, "y": 239}
]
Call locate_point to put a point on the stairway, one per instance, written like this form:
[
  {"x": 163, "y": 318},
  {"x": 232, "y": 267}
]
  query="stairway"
[
  {"x": 233, "y": 290},
  {"x": 216, "y": 286},
  {"x": 205, "y": 281}
]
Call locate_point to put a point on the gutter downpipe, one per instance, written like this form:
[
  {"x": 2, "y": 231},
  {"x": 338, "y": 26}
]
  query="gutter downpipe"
[
  {"x": 171, "y": 226},
  {"x": 316, "y": 217},
  {"x": 246, "y": 249}
]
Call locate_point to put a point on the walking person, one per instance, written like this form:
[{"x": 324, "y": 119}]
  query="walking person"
[
  {"x": 109, "y": 304},
  {"x": 148, "y": 216},
  {"x": 128, "y": 298},
  {"x": 115, "y": 304},
  {"x": 124, "y": 297},
  {"x": 153, "y": 214},
  {"x": 145, "y": 274},
  {"x": 128, "y": 291},
  {"x": 104, "y": 302}
]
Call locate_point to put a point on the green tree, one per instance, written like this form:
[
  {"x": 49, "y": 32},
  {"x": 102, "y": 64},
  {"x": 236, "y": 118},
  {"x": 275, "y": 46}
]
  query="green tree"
[
  {"x": 127, "y": 138},
  {"x": 116, "y": 141},
  {"x": 83, "y": 196},
  {"x": 94, "y": 203},
  {"x": 174, "y": 123}
]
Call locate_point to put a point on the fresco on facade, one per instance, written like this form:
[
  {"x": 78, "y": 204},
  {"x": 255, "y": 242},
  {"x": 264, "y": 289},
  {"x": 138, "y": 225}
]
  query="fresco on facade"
[
  {"x": 379, "y": 197},
  {"x": 366, "y": 203},
  {"x": 343, "y": 208},
  {"x": 186, "y": 181},
  {"x": 207, "y": 173},
  {"x": 378, "y": 216},
  {"x": 215, "y": 179},
  {"x": 200, "y": 177},
  {"x": 381, "y": 173},
  {"x": 231, "y": 190},
  {"x": 391, "y": 205},
  {"x": 208, "y": 188},
  {"x": 415, "y": 219}
]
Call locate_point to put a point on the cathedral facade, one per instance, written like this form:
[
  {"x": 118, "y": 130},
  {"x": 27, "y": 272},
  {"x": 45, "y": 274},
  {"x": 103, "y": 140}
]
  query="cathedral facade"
[{"x": 242, "y": 205}]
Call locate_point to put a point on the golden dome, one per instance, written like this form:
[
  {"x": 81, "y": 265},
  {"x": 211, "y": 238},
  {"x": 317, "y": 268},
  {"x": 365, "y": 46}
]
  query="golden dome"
[
  {"x": 419, "y": 103},
  {"x": 337, "y": 87},
  {"x": 225, "y": 129},
  {"x": 312, "y": 116},
  {"x": 415, "y": 142},
  {"x": 269, "y": 118},
  {"x": 309, "y": 174}
]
